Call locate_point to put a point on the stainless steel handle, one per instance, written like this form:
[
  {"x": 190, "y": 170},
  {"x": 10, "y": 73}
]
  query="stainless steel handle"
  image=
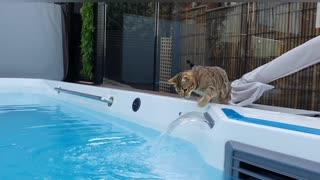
[{"x": 90, "y": 96}]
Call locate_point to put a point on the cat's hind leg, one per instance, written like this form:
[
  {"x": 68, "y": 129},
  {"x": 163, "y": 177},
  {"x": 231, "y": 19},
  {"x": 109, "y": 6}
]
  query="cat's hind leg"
[{"x": 225, "y": 94}]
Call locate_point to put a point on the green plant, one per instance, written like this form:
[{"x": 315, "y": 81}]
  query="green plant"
[{"x": 87, "y": 40}]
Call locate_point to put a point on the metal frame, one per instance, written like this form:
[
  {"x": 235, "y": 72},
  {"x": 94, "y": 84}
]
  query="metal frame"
[
  {"x": 160, "y": 1},
  {"x": 100, "y": 42}
]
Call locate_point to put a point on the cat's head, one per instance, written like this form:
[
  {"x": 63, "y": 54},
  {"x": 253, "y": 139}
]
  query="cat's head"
[{"x": 184, "y": 83}]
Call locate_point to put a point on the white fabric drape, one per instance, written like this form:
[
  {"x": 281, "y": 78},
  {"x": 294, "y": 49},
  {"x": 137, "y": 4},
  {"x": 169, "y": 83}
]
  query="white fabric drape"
[
  {"x": 252, "y": 85},
  {"x": 31, "y": 41}
]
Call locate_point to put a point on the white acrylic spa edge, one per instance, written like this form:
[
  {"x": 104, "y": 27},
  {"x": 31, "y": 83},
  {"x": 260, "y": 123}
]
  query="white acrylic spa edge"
[{"x": 157, "y": 112}]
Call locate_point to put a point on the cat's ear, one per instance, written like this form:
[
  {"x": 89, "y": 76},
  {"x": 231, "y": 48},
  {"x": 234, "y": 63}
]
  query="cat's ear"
[
  {"x": 173, "y": 80},
  {"x": 185, "y": 78}
]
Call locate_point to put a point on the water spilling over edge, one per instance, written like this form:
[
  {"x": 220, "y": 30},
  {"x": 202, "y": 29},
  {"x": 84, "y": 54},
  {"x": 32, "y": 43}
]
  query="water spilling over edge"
[{"x": 182, "y": 120}]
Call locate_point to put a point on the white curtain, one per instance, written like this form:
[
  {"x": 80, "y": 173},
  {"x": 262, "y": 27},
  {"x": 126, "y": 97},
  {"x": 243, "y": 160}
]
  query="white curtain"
[
  {"x": 252, "y": 85},
  {"x": 31, "y": 44}
]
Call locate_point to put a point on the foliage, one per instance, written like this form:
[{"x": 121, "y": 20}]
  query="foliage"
[{"x": 87, "y": 40}]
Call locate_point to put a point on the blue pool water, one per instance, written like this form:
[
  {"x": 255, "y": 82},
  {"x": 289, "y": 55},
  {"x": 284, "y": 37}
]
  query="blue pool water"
[{"x": 50, "y": 139}]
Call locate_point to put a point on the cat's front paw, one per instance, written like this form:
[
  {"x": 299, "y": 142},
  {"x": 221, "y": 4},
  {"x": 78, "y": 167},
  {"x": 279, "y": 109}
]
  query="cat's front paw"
[{"x": 203, "y": 102}]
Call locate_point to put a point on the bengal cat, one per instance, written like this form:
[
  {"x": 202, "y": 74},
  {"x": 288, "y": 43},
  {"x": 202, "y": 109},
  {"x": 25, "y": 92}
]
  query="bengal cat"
[{"x": 211, "y": 83}]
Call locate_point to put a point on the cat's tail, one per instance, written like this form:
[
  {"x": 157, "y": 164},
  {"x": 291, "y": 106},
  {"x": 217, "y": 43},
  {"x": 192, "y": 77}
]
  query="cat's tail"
[{"x": 190, "y": 64}]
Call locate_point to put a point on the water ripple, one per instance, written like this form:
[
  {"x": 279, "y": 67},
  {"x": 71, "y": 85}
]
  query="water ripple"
[{"x": 42, "y": 141}]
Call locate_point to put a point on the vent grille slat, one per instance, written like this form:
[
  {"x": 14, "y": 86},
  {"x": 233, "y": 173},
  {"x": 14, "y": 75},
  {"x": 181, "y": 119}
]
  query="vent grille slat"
[
  {"x": 262, "y": 166},
  {"x": 250, "y": 173}
]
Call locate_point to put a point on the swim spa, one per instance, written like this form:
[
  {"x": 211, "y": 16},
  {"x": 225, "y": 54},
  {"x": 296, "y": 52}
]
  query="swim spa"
[{"x": 58, "y": 130}]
